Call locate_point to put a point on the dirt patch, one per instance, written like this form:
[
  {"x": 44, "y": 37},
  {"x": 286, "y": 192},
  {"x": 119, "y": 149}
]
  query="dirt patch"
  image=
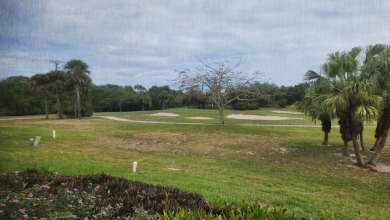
[
  {"x": 165, "y": 114},
  {"x": 259, "y": 117},
  {"x": 381, "y": 168},
  {"x": 200, "y": 118},
  {"x": 193, "y": 143}
]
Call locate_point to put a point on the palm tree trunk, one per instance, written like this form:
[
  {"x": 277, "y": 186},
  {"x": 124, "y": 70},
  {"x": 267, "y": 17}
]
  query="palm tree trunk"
[
  {"x": 75, "y": 108},
  {"x": 60, "y": 111},
  {"x": 78, "y": 102},
  {"x": 326, "y": 138},
  {"x": 378, "y": 151},
  {"x": 378, "y": 139},
  {"x": 345, "y": 149},
  {"x": 143, "y": 102},
  {"x": 356, "y": 149},
  {"x": 362, "y": 145},
  {"x": 46, "y": 108}
]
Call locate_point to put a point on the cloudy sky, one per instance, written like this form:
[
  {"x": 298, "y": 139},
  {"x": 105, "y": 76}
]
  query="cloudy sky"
[{"x": 143, "y": 42}]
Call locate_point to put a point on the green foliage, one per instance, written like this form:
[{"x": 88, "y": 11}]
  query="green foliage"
[
  {"x": 38, "y": 194},
  {"x": 234, "y": 211},
  {"x": 16, "y": 98},
  {"x": 245, "y": 106}
]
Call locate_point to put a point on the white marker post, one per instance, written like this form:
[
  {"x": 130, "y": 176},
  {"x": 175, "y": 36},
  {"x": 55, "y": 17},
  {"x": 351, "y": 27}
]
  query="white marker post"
[
  {"x": 134, "y": 166},
  {"x": 54, "y": 133},
  {"x": 36, "y": 142}
]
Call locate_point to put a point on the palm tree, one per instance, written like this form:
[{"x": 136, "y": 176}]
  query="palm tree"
[
  {"x": 339, "y": 67},
  {"x": 40, "y": 85},
  {"x": 313, "y": 102},
  {"x": 79, "y": 72},
  {"x": 165, "y": 97},
  {"x": 354, "y": 104},
  {"x": 141, "y": 91},
  {"x": 351, "y": 99},
  {"x": 58, "y": 85},
  {"x": 377, "y": 66}
]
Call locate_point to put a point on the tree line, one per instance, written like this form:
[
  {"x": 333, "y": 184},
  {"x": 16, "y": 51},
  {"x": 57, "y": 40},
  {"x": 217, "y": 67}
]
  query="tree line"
[
  {"x": 71, "y": 93},
  {"x": 352, "y": 87}
]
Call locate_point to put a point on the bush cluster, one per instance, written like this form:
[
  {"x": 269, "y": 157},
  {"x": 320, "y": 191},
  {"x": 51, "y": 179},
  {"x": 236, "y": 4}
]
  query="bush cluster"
[
  {"x": 39, "y": 194},
  {"x": 240, "y": 105}
]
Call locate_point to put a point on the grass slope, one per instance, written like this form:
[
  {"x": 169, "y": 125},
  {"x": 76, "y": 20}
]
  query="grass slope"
[{"x": 269, "y": 165}]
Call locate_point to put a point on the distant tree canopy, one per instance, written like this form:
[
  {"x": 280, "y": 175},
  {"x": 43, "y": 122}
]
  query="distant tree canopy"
[
  {"x": 21, "y": 95},
  {"x": 16, "y": 97},
  {"x": 71, "y": 93}
]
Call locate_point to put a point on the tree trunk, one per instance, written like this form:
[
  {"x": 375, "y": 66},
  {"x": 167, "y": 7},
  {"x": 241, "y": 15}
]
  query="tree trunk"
[
  {"x": 75, "y": 108},
  {"x": 356, "y": 149},
  {"x": 78, "y": 106},
  {"x": 326, "y": 138},
  {"x": 379, "y": 148},
  {"x": 46, "y": 108},
  {"x": 362, "y": 145},
  {"x": 60, "y": 111},
  {"x": 142, "y": 102},
  {"x": 345, "y": 149},
  {"x": 378, "y": 139},
  {"x": 221, "y": 115}
]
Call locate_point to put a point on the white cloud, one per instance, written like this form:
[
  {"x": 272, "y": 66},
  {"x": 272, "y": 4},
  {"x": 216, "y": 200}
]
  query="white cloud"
[{"x": 148, "y": 40}]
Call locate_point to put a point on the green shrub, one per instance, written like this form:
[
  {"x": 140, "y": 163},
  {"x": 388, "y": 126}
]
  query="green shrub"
[
  {"x": 233, "y": 211},
  {"x": 245, "y": 105},
  {"x": 38, "y": 194}
]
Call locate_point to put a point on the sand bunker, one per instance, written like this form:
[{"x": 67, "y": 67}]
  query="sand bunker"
[
  {"x": 200, "y": 118},
  {"x": 259, "y": 117},
  {"x": 165, "y": 114},
  {"x": 287, "y": 112}
]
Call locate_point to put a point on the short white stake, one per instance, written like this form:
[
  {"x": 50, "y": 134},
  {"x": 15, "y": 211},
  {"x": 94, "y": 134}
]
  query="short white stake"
[
  {"x": 36, "y": 142},
  {"x": 54, "y": 133},
  {"x": 134, "y": 166}
]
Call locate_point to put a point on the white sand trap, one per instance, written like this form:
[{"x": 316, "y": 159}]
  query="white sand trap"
[
  {"x": 287, "y": 112},
  {"x": 165, "y": 114},
  {"x": 200, "y": 118},
  {"x": 259, "y": 117}
]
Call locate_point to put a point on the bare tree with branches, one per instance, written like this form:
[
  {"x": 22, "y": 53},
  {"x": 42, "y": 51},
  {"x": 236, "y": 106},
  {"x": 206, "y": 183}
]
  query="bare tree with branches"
[{"x": 223, "y": 79}]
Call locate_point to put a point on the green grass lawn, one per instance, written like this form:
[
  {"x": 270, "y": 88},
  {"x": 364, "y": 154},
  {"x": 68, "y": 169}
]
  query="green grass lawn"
[{"x": 270, "y": 165}]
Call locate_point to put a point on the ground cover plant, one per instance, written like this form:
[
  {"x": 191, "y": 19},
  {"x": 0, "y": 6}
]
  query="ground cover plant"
[
  {"x": 277, "y": 166},
  {"x": 38, "y": 194}
]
